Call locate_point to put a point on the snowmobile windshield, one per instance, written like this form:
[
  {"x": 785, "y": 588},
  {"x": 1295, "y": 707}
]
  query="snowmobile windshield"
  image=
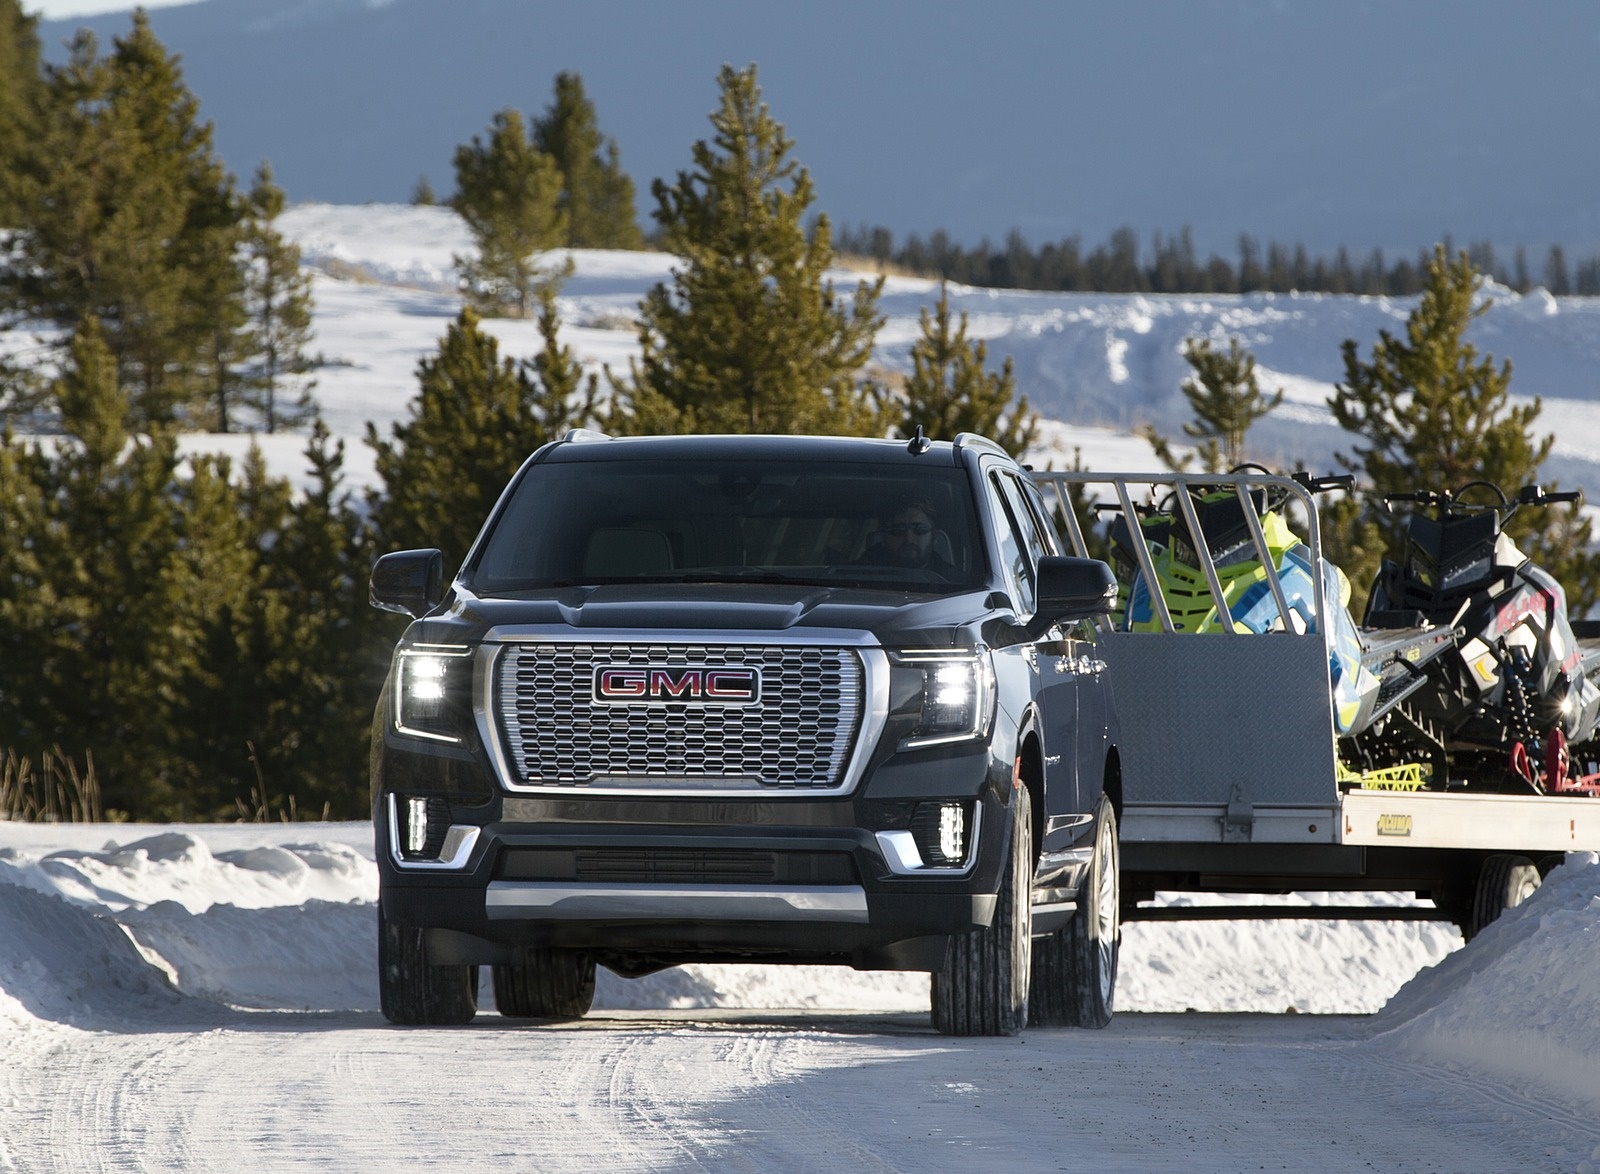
[
  {"x": 1454, "y": 555},
  {"x": 885, "y": 527}
]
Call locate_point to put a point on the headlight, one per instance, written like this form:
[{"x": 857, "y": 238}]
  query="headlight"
[
  {"x": 433, "y": 692},
  {"x": 951, "y": 696}
]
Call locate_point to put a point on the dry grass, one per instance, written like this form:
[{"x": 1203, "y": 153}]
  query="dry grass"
[
  {"x": 260, "y": 807},
  {"x": 53, "y": 792}
]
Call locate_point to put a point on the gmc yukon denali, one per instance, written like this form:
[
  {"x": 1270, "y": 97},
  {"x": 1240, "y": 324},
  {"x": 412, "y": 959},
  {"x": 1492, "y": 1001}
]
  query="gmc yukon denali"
[{"x": 751, "y": 699}]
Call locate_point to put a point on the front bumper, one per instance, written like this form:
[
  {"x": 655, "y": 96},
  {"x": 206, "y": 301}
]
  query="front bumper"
[{"x": 646, "y": 882}]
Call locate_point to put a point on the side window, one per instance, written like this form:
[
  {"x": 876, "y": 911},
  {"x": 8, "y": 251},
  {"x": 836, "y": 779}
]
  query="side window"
[
  {"x": 1016, "y": 541},
  {"x": 1043, "y": 518},
  {"x": 1035, "y": 535}
]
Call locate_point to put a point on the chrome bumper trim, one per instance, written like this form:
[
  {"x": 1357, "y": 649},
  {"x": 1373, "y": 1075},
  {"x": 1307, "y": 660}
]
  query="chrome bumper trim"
[
  {"x": 459, "y": 842},
  {"x": 600, "y": 901},
  {"x": 900, "y": 851}
]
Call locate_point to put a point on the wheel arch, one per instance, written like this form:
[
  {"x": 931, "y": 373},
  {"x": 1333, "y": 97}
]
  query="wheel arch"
[
  {"x": 1111, "y": 781},
  {"x": 1030, "y": 772}
]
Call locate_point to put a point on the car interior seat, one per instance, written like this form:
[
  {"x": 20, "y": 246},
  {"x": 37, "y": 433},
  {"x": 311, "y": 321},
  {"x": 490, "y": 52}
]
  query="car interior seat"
[{"x": 625, "y": 552}]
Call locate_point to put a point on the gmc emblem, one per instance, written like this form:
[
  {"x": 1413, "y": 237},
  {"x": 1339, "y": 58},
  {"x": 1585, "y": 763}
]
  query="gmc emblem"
[{"x": 715, "y": 686}]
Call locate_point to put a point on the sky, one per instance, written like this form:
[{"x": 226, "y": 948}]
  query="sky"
[{"x": 1326, "y": 122}]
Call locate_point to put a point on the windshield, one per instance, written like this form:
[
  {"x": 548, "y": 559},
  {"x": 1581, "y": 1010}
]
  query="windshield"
[{"x": 594, "y": 522}]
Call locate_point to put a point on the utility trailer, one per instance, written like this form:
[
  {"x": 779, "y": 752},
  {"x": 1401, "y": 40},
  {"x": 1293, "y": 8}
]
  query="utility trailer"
[{"x": 1231, "y": 780}]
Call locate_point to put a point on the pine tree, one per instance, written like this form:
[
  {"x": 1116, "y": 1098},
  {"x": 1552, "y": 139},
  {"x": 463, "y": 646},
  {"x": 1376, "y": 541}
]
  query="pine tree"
[
  {"x": 200, "y": 633},
  {"x": 1225, "y": 396},
  {"x": 21, "y": 92},
  {"x": 749, "y": 337},
  {"x": 111, "y": 520},
  {"x": 561, "y": 397},
  {"x": 1556, "y": 278},
  {"x": 596, "y": 194},
  {"x": 36, "y": 624},
  {"x": 949, "y": 390},
  {"x": 1430, "y": 413},
  {"x": 327, "y": 678},
  {"x": 208, "y": 593},
  {"x": 508, "y": 191},
  {"x": 128, "y": 216},
  {"x": 278, "y": 301},
  {"x": 476, "y": 419}
]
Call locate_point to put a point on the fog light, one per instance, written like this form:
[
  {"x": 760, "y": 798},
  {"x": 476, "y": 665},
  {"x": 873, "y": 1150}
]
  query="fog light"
[
  {"x": 423, "y": 822},
  {"x": 416, "y": 825},
  {"x": 952, "y": 831},
  {"x": 940, "y": 832}
]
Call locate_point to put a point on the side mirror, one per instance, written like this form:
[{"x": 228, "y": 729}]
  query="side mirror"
[
  {"x": 410, "y": 582},
  {"x": 1072, "y": 589}
]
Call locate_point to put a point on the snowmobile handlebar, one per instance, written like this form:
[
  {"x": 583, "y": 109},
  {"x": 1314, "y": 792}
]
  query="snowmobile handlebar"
[
  {"x": 1324, "y": 484},
  {"x": 1535, "y": 495},
  {"x": 1447, "y": 500}
]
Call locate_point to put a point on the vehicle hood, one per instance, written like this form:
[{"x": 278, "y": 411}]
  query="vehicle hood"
[{"x": 896, "y": 619}]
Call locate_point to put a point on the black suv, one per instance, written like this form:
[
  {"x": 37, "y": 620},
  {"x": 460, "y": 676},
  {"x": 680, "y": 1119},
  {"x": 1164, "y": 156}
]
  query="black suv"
[{"x": 751, "y": 698}]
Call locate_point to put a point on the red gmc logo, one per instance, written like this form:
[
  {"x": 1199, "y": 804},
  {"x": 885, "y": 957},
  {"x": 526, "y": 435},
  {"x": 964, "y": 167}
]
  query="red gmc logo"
[{"x": 722, "y": 686}]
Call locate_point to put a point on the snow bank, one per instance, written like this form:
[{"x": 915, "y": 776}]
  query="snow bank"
[
  {"x": 1521, "y": 1003},
  {"x": 64, "y": 962},
  {"x": 260, "y": 917},
  {"x": 273, "y": 917}
]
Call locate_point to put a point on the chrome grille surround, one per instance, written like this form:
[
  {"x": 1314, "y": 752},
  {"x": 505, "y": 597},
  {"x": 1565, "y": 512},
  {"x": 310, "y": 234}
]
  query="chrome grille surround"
[{"x": 824, "y": 699}]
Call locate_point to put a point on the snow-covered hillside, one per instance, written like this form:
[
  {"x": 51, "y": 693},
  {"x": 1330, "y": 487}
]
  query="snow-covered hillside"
[{"x": 1100, "y": 363}]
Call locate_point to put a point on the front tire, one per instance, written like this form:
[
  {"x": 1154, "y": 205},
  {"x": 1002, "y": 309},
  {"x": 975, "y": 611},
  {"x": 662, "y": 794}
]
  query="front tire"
[
  {"x": 1075, "y": 968},
  {"x": 545, "y": 984},
  {"x": 983, "y": 987},
  {"x": 411, "y": 990}
]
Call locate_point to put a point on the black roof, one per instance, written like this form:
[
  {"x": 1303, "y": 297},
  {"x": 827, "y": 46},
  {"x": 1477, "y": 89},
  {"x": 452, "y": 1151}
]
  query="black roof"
[{"x": 595, "y": 447}]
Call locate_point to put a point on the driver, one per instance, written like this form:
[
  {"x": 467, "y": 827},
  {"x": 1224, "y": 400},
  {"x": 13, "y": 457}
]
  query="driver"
[{"x": 906, "y": 529}]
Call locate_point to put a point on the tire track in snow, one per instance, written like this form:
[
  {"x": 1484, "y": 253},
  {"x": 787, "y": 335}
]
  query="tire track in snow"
[
  {"x": 717, "y": 1094},
  {"x": 749, "y": 1095},
  {"x": 1531, "y": 1120}
]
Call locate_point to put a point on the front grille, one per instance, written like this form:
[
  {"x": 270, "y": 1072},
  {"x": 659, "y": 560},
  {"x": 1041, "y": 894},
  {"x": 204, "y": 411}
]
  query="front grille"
[
  {"x": 797, "y": 736},
  {"x": 676, "y": 866}
]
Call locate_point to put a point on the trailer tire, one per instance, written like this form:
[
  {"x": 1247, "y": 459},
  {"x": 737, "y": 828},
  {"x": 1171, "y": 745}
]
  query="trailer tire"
[
  {"x": 413, "y": 992},
  {"x": 1504, "y": 882},
  {"x": 545, "y": 984},
  {"x": 1075, "y": 968},
  {"x": 982, "y": 988}
]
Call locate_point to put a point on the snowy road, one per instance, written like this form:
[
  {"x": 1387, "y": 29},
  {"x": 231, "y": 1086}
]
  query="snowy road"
[
  {"x": 127, "y": 965},
  {"x": 743, "y": 1091}
]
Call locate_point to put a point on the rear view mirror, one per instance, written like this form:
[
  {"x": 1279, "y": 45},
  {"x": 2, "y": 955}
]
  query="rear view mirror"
[{"x": 410, "y": 582}]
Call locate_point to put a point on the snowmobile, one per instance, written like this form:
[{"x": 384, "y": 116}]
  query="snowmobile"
[
  {"x": 1517, "y": 706},
  {"x": 1238, "y": 526}
]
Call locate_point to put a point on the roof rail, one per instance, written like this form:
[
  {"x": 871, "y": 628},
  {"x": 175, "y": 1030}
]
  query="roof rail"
[{"x": 976, "y": 440}]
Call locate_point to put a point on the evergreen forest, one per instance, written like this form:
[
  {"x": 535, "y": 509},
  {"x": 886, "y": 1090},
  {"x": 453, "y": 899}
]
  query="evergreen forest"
[{"x": 193, "y": 635}]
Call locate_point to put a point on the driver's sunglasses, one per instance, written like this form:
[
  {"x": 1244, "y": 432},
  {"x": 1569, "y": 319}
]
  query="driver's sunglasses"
[{"x": 920, "y": 529}]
